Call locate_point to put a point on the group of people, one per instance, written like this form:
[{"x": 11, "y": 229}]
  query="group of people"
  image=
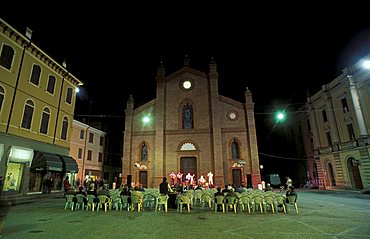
[{"x": 190, "y": 179}]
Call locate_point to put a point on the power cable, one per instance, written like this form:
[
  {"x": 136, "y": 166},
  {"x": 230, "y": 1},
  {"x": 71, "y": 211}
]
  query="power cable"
[{"x": 280, "y": 157}]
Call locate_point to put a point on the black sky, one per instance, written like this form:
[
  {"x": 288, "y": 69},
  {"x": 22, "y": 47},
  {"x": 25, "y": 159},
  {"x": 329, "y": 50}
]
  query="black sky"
[{"x": 280, "y": 51}]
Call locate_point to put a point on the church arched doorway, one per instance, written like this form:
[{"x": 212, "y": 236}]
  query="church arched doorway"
[
  {"x": 188, "y": 165},
  {"x": 237, "y": 177}
]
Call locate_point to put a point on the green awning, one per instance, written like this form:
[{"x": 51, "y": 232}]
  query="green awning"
[
  {"x": 46, "y": 161},
  {"x": 69, "y": 164}
]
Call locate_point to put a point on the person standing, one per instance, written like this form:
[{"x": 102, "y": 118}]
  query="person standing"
[
  {"x": 50, "y": 184},
  {"x": 210, "y": 178},
  {"x": 164, "y": 187},
  {"x": 67, "y": 185},
  {"x": 172, "y": 179},
  {"x": 179, "y": 177},
  {"x": 289, "y": 182},
  {"x": 201, "y": 181}
]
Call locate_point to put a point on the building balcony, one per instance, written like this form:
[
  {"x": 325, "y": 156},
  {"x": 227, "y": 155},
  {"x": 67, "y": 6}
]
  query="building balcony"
[{"x": 361, "y": 142}]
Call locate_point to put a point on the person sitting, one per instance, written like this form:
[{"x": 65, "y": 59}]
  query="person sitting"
[
  {"x": 218, "y": 193},
  {"x": 268, "y": 187},
  {"x": 80, "y": 191},
  {"x": 141, "y": 189},
  {"x": 226, "y": 189},
  {"x": 126, "y": 192},
  {"x": 231, "y": 193},
  {"x": 290, "y": 192},
  {"x": 92, "y": 191},
  {"x": 138, "y": 193}
]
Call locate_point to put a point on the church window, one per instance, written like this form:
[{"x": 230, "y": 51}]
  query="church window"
[
  {"x": 187, "y": 117},
  {"x": 235, "y": 150},
  {"x": 144, "y": 152}
]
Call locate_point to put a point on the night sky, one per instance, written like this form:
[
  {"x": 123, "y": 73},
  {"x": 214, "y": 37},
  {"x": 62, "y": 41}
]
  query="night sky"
[{"x": 279, "y": 51}]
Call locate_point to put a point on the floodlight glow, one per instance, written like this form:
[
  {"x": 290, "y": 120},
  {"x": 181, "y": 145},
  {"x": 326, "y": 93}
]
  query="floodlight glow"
[
  {"x": 280, "y": 116},
  {"x": 146, "y": 119},
  {"x": 77, "y": 89},
  {"x": 366, "y": 64}
]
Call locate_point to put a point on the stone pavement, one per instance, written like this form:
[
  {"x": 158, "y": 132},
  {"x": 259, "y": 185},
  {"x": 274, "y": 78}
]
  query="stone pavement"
[{"x": 323, "y": 214}]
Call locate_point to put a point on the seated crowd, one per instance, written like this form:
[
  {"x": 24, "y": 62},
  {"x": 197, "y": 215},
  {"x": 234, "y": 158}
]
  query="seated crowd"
[{"x": 230, "y": 196}]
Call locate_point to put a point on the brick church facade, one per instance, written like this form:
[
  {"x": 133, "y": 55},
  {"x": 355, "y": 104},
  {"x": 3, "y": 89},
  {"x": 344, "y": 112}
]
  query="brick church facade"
[{"x": 191, "y": 128}]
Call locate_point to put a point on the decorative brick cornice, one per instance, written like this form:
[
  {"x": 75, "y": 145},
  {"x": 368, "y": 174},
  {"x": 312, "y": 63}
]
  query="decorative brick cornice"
[
  {"x": 238, "y": 129},
  {"x": 22, "y": 41}
]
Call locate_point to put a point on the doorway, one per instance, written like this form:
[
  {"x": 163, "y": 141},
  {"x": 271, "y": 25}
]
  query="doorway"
[
  {"x": 354, "y": 173},
  {"x": 188, "y": 165},
  {"x": 237, "y": 177},
  {"x": 143, "y": 179}
]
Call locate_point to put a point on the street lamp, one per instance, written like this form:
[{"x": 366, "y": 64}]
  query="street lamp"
[
  {"x": 280, "y": 116},
  {"x": 261, "y": 168}
]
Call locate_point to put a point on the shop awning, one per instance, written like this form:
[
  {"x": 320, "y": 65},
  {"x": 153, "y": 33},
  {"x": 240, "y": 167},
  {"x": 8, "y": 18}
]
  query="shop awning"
[
  {"x": 46, "y": 161},
  {"x": 69, "y": 164}
]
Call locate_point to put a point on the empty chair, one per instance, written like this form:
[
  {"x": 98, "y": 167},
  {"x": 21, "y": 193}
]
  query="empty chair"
[
  {"x": 197, "y": 197},
  {"x": 190, "y": 194},
  {"x": 69, "y": 201},
  {"x": 280, "y": 201},
  {"x": 161, "y": 200},
  {"x": 257, "y": 201},
  {"x": 269, "y": 202},
  {"x": 104, "y": 200},
  {"x": 116, "y": 201},
  {"x": 90, "y": 202},
  {"x": 149, "y": 200},
  {"x": 206, "y": 199},
  {"x": 183, "y": 200},
  {"x": 136, "y": 201},
  {"x": 80, "y": 201}
]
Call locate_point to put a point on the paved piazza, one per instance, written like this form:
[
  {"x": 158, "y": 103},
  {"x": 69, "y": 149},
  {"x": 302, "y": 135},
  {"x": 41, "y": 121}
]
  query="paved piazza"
[{"x": 323, "y": 214}]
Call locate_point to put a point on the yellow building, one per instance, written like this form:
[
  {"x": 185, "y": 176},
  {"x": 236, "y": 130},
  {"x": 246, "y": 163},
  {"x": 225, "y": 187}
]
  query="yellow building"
[
  {"x": 190, "y": 128},
  {"x": 37, "y": 101},
  {"x": 87, "y": 147},
  {"x": 339, "y": 125}
]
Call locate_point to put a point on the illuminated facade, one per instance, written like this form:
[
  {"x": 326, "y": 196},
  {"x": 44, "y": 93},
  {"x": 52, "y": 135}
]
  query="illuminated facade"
[
  {"x": 87, "y": 147},
  {"x": 190, "y": 128},
  {"x": 338, "y": 126},
  {"x": 37, "y": 101}
]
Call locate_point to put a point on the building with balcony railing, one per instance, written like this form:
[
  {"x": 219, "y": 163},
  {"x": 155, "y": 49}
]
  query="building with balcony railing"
[{"x": 338, "y": 127}]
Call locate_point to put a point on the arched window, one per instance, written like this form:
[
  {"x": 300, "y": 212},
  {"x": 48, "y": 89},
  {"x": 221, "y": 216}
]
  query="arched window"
[
  {"x": 35, "y": 76},
  {"x": 27, "y": 114},
  {"x": 2, "y": 95},
  {"x": 187, "y": 117},
  {"x": 69, "y": 95},
  {"x": 51, "y": 85},
  {"x": 235, "y": 150},
  {"x": 45, "y": 121},
  {"x": 64, "y": 128},
  {"x": 144, "y": 152},
  {"x": 6, "y": 57}
]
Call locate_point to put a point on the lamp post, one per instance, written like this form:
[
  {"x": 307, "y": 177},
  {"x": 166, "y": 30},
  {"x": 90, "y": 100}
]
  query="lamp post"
[{"x": 261, "y": 168}]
